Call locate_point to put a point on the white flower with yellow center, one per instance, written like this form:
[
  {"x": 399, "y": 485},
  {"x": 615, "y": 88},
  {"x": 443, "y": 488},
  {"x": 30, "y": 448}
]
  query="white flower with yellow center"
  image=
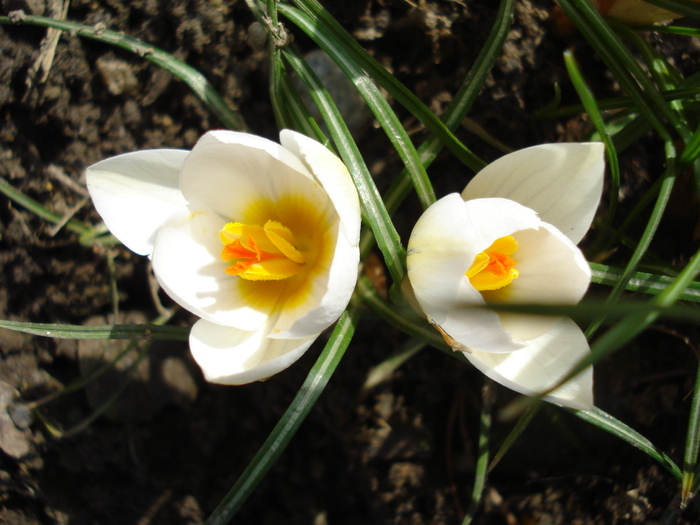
[
  {"x": 511, "y": 238},
  {"x": 258, "y": 239}
]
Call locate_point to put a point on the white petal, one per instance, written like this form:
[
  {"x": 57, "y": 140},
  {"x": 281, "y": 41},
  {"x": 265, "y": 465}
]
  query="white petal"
[
  {"x": 332, "y": 174},
  {"x": 542, "y": 364},
  {"x": 439, "y": 253},
  {"x": 552, "y": 271},
  {"x": 234, "y": 174},
  {"x": 231, "y": 356},
  {"x": 188, "y": 265},
  {"x": 135, "y": 192},
  {"x": 561, "y": 182},
  {"x": 328, "y": 296}
]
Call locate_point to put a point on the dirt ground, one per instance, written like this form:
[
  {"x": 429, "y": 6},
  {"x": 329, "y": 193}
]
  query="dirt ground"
[{"x": 403, "y": 453}]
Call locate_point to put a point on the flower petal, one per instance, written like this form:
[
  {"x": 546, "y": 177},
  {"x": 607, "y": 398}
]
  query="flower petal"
[
  {"x": 328, "y": 293},
  {"x": 188, "y": 265},
  {"x": 542, "y": 364},
  {"x": 243, "y": 177},
  {"x": 135, "y": 192},
  {"x": 552, "y": 271},
  {"x": 332, "y": 174},
  {"x": 561, "y": 182},
  {"x": 230, "y": 356}
]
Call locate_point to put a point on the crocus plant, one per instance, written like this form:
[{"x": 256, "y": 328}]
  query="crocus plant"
[
  {"x": 511, "y": 237},
  {"x": 258, "y": 239}
]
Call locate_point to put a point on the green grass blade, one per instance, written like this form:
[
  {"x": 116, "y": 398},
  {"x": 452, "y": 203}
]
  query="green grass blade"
[
  {"x": 374, "y": 211},
  {"x": 40, "y": 211},
  {"x": 197, "y": 82},
  {"x": 114, "y": 331},
  {"x": 482, "y": 461},
  {"x": 319, "y": 17},
  {"x": 374, "y": 100},
  {"x": 617, "y": 428},
  {"x": 672, "y": 30},
  {"x": 642, "y": 282},
  {"x": 292, "y": 419},
  {"x": 692, "y": 443}
]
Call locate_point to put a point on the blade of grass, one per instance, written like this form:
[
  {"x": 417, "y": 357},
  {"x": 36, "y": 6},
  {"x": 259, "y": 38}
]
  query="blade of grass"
[
  {"x": 114, "y": 331},
  {"x": 197, "y": 82},
  {"x": 482, "y": 460},
  {"x": 292, "y": 419},
  {"x": 642, "y": 282},
  {"x": 692, "y": 443}
]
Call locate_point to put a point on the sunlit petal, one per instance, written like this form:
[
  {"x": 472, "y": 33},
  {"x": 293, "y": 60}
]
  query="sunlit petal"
[
  {"x": 231, "y": 356},
  {"x": 561, "y": 182},
  {"x": 542, "y": 364},
  {"x": 135, "y": 192}
]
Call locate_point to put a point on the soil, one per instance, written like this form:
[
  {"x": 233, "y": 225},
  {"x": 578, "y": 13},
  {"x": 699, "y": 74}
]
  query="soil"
[{"x": 402, "y": 453}]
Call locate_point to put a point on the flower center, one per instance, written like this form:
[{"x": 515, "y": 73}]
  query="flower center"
[
  {"x": 261, "y": 253},
  {"x": 493, "y": 269}
]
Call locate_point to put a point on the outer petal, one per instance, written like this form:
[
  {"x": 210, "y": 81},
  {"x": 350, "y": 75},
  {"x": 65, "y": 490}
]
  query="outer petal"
[
  {"x": 235, "y": 357},
  {"x": 542, "y": 364},
  {"x": 187, "y": 263},
  {"x": 237, "y": 174},
  {"x": 135, "y": 192},
  {"x": 561, "y": 182},
  {"x": 332, "y": 174},
  {"x": 329, "y": 292}
]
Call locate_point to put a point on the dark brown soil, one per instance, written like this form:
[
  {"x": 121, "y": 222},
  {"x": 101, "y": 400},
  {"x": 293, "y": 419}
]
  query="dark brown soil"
[{"x": 173, "y": 445}]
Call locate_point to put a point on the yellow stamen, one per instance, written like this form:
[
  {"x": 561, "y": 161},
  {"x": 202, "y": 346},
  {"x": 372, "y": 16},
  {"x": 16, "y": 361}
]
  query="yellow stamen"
[
  {"x": 493, "y": 269},
  {"x": 261, "y": 253}
]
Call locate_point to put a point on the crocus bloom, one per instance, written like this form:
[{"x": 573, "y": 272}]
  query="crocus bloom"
[
  {"x": 257, "y": 239},
  {"x": 511, "y": 238}
]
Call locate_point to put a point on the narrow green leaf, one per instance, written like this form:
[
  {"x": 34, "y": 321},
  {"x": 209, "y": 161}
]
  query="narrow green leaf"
[
  {"x": 482, "y": 461},
  {"x": 692, "y": 443},
  {"x": 642, "y": 282},
  {"x": 114, "y": 331}
]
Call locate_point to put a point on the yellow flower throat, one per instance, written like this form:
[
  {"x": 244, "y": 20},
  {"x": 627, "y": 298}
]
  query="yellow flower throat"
[
  {"x": 261, "y": 253},
  {"x": 493, "y": 269}
]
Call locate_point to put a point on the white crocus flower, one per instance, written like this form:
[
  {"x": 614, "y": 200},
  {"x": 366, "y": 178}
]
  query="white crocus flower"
[
  {"x": 257, "y": 239},
  {"x": 511, "y": 238}
]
